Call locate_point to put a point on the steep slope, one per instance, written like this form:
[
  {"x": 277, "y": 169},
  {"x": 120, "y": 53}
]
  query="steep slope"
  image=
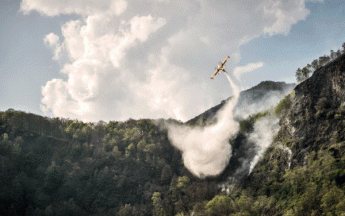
[
  {"x": 302, "y": 173},
  {"x": 315, "y": 118}
]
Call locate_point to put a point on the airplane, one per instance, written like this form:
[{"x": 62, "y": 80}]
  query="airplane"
[{"x": 220, "y": 68}]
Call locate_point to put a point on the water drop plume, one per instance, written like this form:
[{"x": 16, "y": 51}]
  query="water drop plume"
[{"x": 206, "y": 151}]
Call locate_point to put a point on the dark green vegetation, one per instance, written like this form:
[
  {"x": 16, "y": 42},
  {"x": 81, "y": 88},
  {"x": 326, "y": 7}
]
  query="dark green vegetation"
[
  {"x": 67, "y": 167},
  {"x": 285, "y": 104}
]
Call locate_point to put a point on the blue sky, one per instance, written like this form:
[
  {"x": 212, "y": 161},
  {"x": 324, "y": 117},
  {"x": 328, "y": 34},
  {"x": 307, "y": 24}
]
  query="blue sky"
[
  {"x": 322, "y": 31},
  {"x": 120, "y": 60}
]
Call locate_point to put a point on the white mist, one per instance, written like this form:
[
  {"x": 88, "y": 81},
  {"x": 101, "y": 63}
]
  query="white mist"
[{"x": 206, "y": 150}]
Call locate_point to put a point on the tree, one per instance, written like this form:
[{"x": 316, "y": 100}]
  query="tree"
[
  {"x": 151, "y": 150},
  {"x": 86, "y": 133},
  {"x": 131, "y": 134},
  {"x": 220, "y": 205},
  {"x": 174, "y": 190},
  {"x": 145, "y": 125},
  {"x": 305, "y": 72},
  {"x": 98, "y": 133},
  {"x": 338, "y": 53},
  {"x": 5, "y": 136},
  {"x": 333, "y": 54},
  {"x": 244, "y": 203},
  {"x": 49, "y": 210},
  {"x": 340, "y": 208},
  {"x": 158, "y": 205},
  {"x": 328, "y": 59},
  {"x": 16, "y": 148},
  {"x": 299, "y": 75},
  {"x": 315, "y": 64},
  {"x": 141, "y": 145},
  {"x": 166, "y": 174},
  {"x": 130, "y": 150},
  {"x": 116, "y": 151},
  {"x": 111, "y": 126},
  {"x": 322, "y": 60},
  {"x": 331, "y": 199},
  {"x": 183, "y": 182},
  {"x": 309, "y": 200},
  {"x": 141, "y": 149},
  {"x": 53, "y": 180},
  {"x": 126, "y": 210}
]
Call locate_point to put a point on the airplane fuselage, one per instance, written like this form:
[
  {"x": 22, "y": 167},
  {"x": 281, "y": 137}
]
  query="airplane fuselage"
[{"x": 220, "y": 68}]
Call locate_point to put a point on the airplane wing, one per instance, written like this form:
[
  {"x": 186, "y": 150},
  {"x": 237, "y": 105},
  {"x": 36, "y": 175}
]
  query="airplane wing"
[
  {"x": 225, "y": 60},
  {"x": 215, "y": 73}
]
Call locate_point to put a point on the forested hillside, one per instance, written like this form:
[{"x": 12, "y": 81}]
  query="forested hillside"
[
  {"x": 53, "y": 166},
  {"x": 66, "y": 167}
]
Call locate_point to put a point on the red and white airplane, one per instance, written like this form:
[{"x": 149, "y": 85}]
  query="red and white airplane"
[{"x": 220, "y": 68}]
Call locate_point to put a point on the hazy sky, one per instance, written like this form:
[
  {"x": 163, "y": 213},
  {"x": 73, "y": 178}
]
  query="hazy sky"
[{"x": 117, "y": 59}]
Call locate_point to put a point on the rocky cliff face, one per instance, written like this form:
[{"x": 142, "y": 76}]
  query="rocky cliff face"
[
  {"x": 313, "y": 115},
  {"x": 303, "y": 170}
]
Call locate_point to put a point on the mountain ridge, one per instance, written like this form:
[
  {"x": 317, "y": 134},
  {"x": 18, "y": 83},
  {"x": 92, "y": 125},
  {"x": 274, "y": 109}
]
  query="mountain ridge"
[{"x": 256, "y": 93}]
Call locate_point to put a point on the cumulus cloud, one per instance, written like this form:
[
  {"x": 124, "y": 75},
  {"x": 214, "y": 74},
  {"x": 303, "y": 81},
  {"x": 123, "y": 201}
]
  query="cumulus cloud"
[
  {"x": 80, "y": 7},
  {"x": 152, "y": 59},
  {"x": 95, "y": 67},
  {"x": 52, "y": 41},
  {"x": 284, "y": 14}
]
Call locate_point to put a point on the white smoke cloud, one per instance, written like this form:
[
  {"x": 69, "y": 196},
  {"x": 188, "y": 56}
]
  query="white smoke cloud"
[
  {"x": 264, "y": 130},
  {"x": 206, "y": 150},
  {"x": 151, "y": 59}
]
